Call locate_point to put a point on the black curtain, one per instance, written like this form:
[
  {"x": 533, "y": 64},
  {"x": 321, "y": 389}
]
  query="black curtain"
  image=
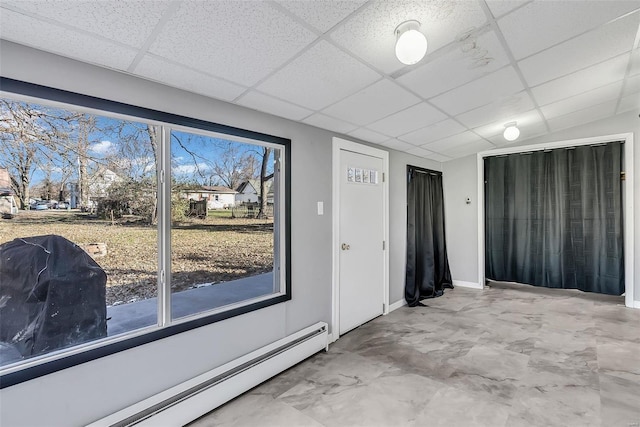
[
  {"x": 427, "y": 268},
  {"x": 554, "y": 218}
]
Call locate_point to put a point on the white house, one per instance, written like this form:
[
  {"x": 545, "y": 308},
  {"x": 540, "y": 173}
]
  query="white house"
[
  {"x": 100, "y": 181},
  {"x": 249, "y": 191},
  {"x": 217, "y": 197}
]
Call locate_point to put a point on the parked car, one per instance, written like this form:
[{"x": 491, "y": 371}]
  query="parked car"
[
  {"x": 63, "y": 205},
  {"x": 41, "y": 205}
]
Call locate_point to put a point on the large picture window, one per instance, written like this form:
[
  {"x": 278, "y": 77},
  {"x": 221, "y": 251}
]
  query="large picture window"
[{"x": 122, "y": 225}]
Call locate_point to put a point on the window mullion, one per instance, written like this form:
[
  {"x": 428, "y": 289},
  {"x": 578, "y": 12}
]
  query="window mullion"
[{"x": 164, "y": 229}]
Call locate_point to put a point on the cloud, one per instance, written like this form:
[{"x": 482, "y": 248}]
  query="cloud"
[
  {"x": 102, "y": 147},
  {"x": 189, "y": 169}
]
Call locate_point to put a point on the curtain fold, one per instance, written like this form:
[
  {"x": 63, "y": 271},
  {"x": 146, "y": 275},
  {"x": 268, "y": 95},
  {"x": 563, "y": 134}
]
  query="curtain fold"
[
  {"x": 554, "y": 218},
  {"x": 427, "y": 265}
]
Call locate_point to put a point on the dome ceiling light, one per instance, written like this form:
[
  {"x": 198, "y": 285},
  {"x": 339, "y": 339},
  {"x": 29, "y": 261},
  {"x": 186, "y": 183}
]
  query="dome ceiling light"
[
  {"x": 511, "y": 131},
  {"x": 411, "y": 44}
]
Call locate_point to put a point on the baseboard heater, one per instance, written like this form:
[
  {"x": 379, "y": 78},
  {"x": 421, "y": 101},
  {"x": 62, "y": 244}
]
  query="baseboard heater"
[{"x": 185, "y": 402}]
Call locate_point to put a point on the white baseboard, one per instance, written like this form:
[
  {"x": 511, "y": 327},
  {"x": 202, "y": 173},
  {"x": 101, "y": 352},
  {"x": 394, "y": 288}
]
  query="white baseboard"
[
  {"x": 396, "y": 305},
  {"x": 331, "y": 339},
  {"x": 636, "y": 304},
  {"x": 464, "y": 284}
]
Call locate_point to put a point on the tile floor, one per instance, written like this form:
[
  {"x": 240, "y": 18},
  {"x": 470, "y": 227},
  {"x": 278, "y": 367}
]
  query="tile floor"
[{"x": 509, "y": 355}]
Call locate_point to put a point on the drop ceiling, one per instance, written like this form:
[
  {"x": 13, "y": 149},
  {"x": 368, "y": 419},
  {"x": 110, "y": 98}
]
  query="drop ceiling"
[{"x": 548, "y": 65}]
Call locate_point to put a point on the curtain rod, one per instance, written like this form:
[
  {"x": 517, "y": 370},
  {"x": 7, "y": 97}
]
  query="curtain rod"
[
  {"x": 423, "y": 170},
  {"x": 548, "y": 150}
]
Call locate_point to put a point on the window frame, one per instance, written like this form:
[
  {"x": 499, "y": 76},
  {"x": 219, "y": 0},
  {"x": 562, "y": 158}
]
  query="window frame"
[{"x": 29, "y": 369}]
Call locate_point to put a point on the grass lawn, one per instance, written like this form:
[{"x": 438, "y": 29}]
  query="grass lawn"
[{"x": 216, "y": 249}]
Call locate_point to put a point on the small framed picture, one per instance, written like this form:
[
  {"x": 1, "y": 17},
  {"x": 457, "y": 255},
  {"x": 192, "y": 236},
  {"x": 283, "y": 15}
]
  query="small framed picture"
[
  {"x": 358, "y": 175},
  {"x": 351, "y": 173},
  {"x": 373, "y": 177},
  {"x": 366, "y": 176}
]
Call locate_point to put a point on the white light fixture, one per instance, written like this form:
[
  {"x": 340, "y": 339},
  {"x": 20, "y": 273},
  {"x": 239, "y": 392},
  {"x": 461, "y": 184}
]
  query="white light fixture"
[
  {"x": 411, "y": 44},
  {"x": 511, "y": 131}
]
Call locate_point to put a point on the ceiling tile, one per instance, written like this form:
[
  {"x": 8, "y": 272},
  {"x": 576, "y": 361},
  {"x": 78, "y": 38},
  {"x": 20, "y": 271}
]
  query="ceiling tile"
[
  {"x": 632, "y": 85},
  {"x": 465, "y": 63},
  {"x": 373, "y": 103},
  {"x": 419, "y": 151},
  {"x": 501, "y": 109},
  {"x": 468, "y": 149},
  {"x": 53, "y": 38},
  {"x": 635, "y": 62},
  {"x": 584, "y": 100},
  {"x": 588, "y": 49},
  {"x": 628, "y": 103},
  {"x": 434, "y": 132},
  {"x": 319, "y": 77},
  {"x": 370, "y": 33},
  {"x": 268, "y": 104},
  {"x": 451, "y": 142},
  {"x": 587, "y": 115},
  {"x": 369, "y": 135},
  {"x": 212, "y": 37},
  {"x": 437, "y": 157},
  {"x": 128, "y": 22},
  {"x": 396, "y": 144},
  {"x": 415, "y": 117},
  {"x": 322, "y": 14},
  {"x": 480, "y": 92},
  {"x": 541, "y": 24},
  {"x": 184, "y": 78},
  {"x": 326, "y": 122},
  {"x": 530, "y": 119},
  {"x": 500, "y": 7},
  {"x": 581, "y": 81}
]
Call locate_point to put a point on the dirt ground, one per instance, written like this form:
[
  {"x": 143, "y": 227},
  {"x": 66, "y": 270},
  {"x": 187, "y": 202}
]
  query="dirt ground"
[{"x": 214, "y": 250}]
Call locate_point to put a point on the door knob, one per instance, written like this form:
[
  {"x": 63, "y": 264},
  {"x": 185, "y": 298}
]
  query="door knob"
[{"x": 345, "y": 247}]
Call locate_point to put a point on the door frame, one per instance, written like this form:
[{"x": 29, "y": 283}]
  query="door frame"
[
  {"x": 627, "y": 207},
  {"x": 338, "y": 145}
]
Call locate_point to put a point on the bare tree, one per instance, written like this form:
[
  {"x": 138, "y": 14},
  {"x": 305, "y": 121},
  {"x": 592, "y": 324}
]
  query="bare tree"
[
  {"x": 30, "y": 136},
  {"x": 264, "y": 178},
  {"x": 233, "y": 166}
]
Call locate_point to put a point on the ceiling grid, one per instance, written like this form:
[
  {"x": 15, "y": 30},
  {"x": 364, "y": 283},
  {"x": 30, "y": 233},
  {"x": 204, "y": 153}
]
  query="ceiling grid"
[{"x": 546, "y": 64}]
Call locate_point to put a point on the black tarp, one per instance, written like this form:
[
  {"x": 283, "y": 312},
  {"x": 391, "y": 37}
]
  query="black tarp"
[{"x": 52, "y": 296}]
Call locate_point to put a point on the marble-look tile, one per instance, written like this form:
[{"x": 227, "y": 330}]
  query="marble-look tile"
[
  {"x": 620, "y": 401},
  {"x": 489, "y": 371},
  {"x": 454, "y": 407},
  {"x": 251, "y": 410},
  {"x": 509, "y": 355},
  {"x": 556, "y": 405},
  {"x": 386, "y": 402},
  {"x": 619, "y": 358}
]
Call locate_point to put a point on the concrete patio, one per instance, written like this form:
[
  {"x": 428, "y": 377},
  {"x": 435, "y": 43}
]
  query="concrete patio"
[{"x": 128, "y": 317}]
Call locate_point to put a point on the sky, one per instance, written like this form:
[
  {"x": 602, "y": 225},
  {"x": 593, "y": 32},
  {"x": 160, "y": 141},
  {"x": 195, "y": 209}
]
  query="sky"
[{"x": 127, "y": 143}]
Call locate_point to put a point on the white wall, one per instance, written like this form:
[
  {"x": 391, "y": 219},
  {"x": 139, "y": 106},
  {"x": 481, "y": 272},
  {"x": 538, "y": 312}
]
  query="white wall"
[
  {"x": 86, "y": 392},
  {"x": 460, "y": 179},
  {"x": 461, "y": 219}
]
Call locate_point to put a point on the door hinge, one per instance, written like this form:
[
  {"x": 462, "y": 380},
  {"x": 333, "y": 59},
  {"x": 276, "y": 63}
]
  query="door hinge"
[
  {"x": 623, "y": 176},
  {"x": 382, "y": 176},
  {"x": 162, "y": 176},
  {"x": 383, "y": 245}
]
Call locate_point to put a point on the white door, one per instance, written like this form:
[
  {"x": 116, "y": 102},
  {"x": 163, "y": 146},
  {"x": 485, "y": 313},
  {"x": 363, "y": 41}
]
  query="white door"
[{"x": 361, "y": 237}]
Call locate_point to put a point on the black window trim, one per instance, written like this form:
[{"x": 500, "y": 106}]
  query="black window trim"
[{"x": 46, "y": 93}]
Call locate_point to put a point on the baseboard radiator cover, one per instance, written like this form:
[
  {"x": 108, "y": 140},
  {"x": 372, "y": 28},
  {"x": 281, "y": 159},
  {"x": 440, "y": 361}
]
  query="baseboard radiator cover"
[{"x": 191, "y": 399}]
